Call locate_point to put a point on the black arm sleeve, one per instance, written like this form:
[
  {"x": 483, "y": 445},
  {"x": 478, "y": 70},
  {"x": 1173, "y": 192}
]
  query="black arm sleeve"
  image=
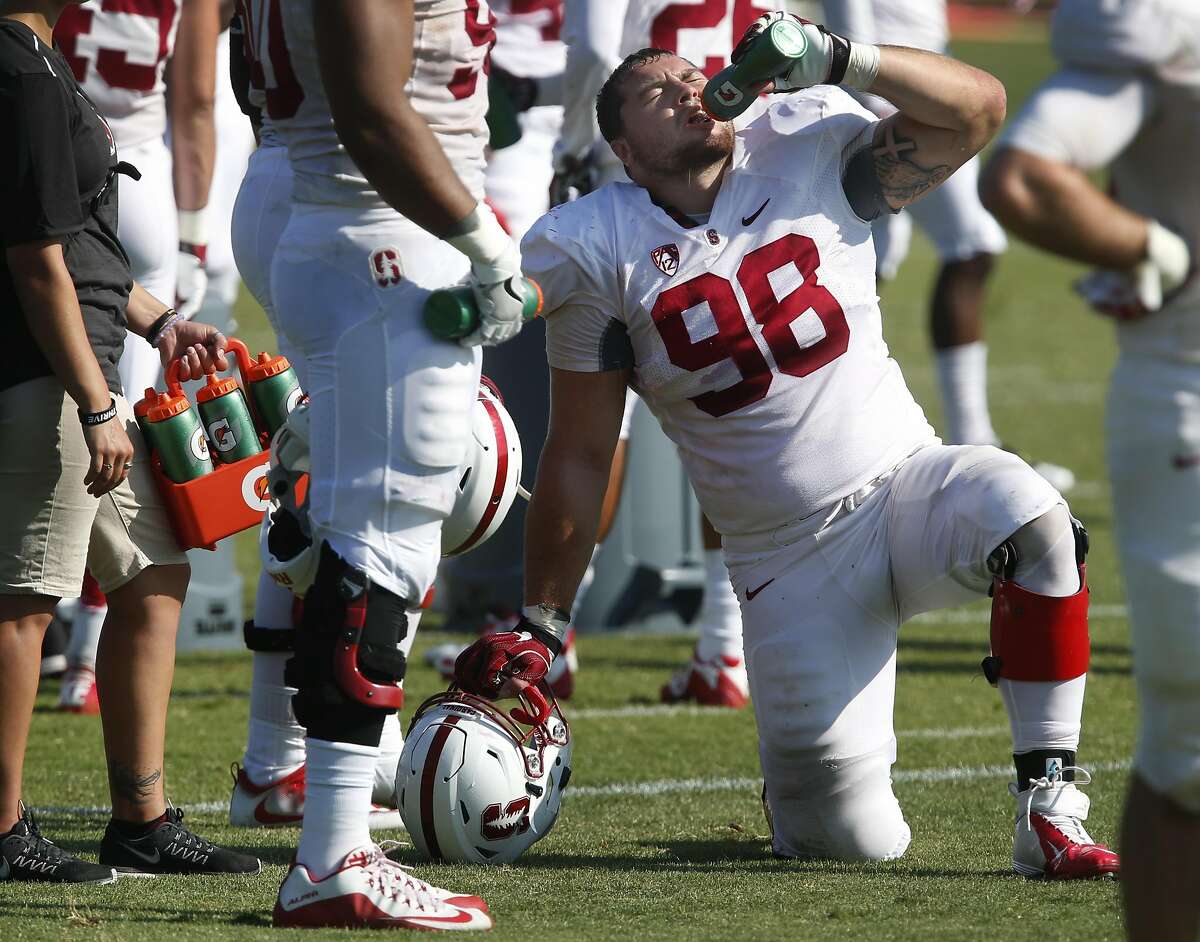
[
  {"x": 863, "y": 189},
  {"x": 239, "y": 71},
  {"x": 38, "y": 185}
]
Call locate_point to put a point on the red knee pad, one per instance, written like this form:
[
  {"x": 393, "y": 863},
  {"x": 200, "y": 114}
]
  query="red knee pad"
[
  {"x": 91, "y": 594},
  {"x": 1038, "y": 637}
]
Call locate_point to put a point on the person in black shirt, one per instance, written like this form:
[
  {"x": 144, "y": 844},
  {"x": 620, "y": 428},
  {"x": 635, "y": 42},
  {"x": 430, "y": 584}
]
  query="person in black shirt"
[{"x": 74, "y": 472}]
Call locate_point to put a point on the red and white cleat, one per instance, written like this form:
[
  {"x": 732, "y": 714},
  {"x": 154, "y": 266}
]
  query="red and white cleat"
[
  {"x": 369, "y": 891},
  {"x": 1051, "y": 841},
  {"x": 720, "y": 682},
  {"x": 281, "y": 804},
  {"x": 561, "y": 676},
  {"x": 77, "y": 693}
]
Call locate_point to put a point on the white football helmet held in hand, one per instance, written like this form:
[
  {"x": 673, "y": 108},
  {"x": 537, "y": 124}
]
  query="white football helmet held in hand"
[
  {"x": 475, "y": 784},
  {"x": 488, "y": 477}
]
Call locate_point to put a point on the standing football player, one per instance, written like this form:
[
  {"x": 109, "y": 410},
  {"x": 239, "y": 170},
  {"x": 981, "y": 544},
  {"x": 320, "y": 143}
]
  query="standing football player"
[
  {"x": 1127, "y": 98},
  {"x": 733, "y": 283},
  {"x": 124, "y": 55},
  {"x": 269, "y": 784},
  {"x": 381, "y": 108}
]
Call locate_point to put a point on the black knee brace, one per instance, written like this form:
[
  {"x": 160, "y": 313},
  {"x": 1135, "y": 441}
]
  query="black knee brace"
[
  {"x": 347, "y": 666},
  {"x": 268, "y": 640}
]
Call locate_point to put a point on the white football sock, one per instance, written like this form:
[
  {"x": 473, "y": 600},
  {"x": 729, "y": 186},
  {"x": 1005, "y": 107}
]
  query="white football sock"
[
  {"x": 720, "y": 617},
  {"x": 391, "y": 743},
  {"x": 337, "y": 802},
  {"x": 274, "y": 740},
  {"x": 962, "y": 376},
  {"x": 85, "y": 635}
]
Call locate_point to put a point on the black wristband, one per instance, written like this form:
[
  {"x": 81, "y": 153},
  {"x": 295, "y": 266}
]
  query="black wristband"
[
  {"x": 553, "y": 643},
  {"x": 839, "y": 48},
  {"x": 99, "y": 418},
  {"x": 165, "y": 318}
]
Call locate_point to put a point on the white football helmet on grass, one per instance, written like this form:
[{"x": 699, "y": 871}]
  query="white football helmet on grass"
[{"x": 479, "y": 784}]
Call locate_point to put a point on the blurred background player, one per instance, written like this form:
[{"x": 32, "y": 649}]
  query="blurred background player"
[
  {"x": 966, "y": 236},
  {"x": 1127, "y": 98},
  {"x": 381, "y": 107},
  {"x": 268, "y": 787},
  {"x": 124, "y": 55}
]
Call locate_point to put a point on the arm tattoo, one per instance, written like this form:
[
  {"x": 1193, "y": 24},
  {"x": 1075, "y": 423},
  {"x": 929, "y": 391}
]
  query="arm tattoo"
[
  {"x": 134, "y": 785},
  {"x": 903, "y": 179}
]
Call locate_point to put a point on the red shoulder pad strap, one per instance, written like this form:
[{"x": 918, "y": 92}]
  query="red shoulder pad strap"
[{"x": 1039, "y": 637}]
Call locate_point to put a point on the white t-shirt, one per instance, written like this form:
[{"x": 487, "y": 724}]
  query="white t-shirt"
[{"x": 756, "y": 339}]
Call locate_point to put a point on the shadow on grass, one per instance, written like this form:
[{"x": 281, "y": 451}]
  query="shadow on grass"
[{"x": 120, "y": 912}]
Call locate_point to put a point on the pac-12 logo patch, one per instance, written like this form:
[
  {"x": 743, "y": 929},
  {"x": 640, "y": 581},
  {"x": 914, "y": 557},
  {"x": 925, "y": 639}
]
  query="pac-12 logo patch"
[
  {"x": 385, "y": 266},
  {"x": 666, "y": 257}
]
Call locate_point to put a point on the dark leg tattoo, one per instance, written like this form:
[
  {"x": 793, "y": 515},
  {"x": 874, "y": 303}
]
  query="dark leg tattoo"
[
  {"x": 134, "y": 785},
  {"x": 903, "y": 179}
]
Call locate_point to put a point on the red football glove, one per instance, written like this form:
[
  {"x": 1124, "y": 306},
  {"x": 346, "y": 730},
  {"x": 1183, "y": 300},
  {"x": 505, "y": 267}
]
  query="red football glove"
[{"x": 503, "y": 664}]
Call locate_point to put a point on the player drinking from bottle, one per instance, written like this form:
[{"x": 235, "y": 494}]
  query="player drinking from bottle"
[{"x": 733, "y": 284}]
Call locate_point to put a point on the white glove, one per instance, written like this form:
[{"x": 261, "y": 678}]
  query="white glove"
[
  {"x": 1142, "y": 290},
  {"x": 829, "y": 59},
  {"x": 191, "y": 282},
  {"x": 495, "y": 278}
]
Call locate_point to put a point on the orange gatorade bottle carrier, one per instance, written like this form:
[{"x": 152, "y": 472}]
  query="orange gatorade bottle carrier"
[{"x": 232, "y": 496}]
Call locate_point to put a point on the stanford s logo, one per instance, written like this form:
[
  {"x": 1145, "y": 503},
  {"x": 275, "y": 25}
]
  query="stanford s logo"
[
  {"x": 496, "y": 824},
  {"x": 666, "y": 257},
  {"x": 385, "y": 266}
]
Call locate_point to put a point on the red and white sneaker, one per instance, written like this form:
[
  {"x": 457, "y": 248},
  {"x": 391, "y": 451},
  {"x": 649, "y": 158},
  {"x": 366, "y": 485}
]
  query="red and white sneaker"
[
  {"x": 721, "y": 682},
  {"x": 369, "y": 891},
  {"x": 77, "y": 693},
  {"x": 281, "y": 804},
  {"x": 561, "y": 676},
  {"x": 1051, "y": 841}
]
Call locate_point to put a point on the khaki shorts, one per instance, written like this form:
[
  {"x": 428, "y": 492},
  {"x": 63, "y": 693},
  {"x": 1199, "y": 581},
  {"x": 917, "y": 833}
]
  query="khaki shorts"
[{"x": 50, "y": 527}]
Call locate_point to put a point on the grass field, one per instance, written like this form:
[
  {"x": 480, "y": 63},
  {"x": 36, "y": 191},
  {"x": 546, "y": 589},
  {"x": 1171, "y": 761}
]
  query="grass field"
[{"x": 662, "y": 835}]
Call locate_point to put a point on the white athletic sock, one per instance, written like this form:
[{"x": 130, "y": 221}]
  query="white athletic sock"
[
  {"x": 589, "y": 576},
  {"x": 274, "y": 740},
  {"x": 85, "y": 635},
  {"x": 720, "y": 617},
  {"x": 337, "y": 802},
  {"x": 1044, "y": 714},
  {"x": 962, "y": 375},
  {"x": 391, "y": 743}
]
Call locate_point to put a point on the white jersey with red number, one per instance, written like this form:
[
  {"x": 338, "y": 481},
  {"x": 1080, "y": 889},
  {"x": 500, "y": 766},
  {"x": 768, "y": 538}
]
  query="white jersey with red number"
[
  {"x": 528, "y": 40},
  {"x": 118, "y": 50},
  {"x": 755, "y": 337},
  {"x": 448, "y": 88}
]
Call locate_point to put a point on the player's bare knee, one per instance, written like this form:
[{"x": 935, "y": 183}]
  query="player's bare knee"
[{"x": 1008, "y": 183}]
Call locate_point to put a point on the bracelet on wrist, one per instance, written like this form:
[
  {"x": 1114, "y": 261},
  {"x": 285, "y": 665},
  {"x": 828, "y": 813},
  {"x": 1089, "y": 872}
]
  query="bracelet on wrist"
[
  {"x": 164, "y": 321},
  {"x": 99, "y": 418}
]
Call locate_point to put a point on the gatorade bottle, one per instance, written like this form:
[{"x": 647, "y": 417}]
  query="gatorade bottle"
[
  {"x": 178, "y": 438},
  {"x": 732, "y": 90},
  {"x": 452, "y": 313},
  {"x": 504, "y": 129},
  {"x": 227, "y": 420},
  {"x": 274, "y": 388}
]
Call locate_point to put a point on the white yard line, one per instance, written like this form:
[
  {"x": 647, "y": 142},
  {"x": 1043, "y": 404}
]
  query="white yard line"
[
  {"x": 981, "y": 616},
  {"x": 681, "y": 786}
]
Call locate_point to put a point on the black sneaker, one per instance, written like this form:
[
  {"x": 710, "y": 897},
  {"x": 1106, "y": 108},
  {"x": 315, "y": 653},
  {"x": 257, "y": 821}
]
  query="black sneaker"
[
  {"x": 26, "y": 855},
  {"x": 170, "y": 848}
]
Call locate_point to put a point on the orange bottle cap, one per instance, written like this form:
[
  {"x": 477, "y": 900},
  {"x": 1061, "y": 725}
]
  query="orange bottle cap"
[
  {"x": 266, "y": 365},
  {"x": 143, "y": 405},
  {"x": 216, "y": 388},
  {"x": 166, "y": 406}
]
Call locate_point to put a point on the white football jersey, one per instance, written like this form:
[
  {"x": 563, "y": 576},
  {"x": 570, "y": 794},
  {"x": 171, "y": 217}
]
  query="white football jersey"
[
  {"x": 1158, "y": 36},
  {"x": 118, "y": 50},
  {"x": 921, "y": 24},
  {"x": 755, "y": 337},
  {"x": 448, "y": 88},
  {"x": 528, "y": 40}
]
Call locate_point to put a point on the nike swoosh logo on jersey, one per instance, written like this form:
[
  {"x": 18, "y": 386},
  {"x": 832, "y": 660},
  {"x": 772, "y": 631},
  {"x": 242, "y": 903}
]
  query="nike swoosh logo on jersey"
[
  {"x": 746, "y": 220},
  {"x": 751, "y": 593}
]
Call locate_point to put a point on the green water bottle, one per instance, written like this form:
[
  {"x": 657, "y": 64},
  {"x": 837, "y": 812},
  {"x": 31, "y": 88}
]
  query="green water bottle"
[
  {"x": 732, "y": 90},
  {"x": 504, "y": 129},
  {"x": 451, "y": 313},
  {"x": 175, "y": 433},
  {"x": 141, "y": 409},
  {"x": 227, "y": 420},
  {"x": 274, "y": 388}
]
